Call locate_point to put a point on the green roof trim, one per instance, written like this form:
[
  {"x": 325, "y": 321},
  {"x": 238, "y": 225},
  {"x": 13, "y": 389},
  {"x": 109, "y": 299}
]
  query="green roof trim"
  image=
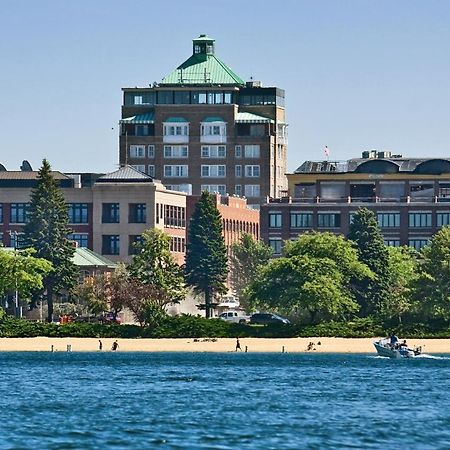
[
  {"x": 201, "y": 69},
  {"x": 176, "y": 119},
  {"x": 213, "y": 119},
  {"x": 245, "y": 117},
  {"x": 140, "y": 119}
]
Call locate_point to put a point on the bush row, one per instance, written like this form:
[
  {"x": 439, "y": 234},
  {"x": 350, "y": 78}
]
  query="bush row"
[{"x": 186, "y": 326}]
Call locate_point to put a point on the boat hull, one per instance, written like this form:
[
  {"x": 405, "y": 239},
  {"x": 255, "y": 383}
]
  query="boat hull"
[{"x": 388, "y": 352}]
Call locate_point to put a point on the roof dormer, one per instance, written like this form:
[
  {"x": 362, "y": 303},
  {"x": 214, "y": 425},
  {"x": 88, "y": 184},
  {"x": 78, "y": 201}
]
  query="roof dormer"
[{"x": 203, "y": 45}]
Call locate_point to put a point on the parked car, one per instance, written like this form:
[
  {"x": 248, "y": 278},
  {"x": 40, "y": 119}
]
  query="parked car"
[
  {"x": 268, "y": 318},
  {"x": 234, "y": 316}
]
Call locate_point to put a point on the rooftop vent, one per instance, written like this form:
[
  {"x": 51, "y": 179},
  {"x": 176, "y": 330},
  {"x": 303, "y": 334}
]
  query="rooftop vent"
[{"x": 253, "y": 83}]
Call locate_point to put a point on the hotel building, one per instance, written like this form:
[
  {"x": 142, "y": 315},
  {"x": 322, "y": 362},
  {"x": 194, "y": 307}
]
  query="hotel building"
[
  {"x": 410, "y": 197},
  {"x": 203, "y": 128}
]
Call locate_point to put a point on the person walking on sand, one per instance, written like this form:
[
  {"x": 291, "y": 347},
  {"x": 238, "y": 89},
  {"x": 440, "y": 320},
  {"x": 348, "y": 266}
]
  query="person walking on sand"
[
  {"x": 100, "y": 345},
  {"x": 115, "y": 346},
  {"x": 238, "y": 345}
]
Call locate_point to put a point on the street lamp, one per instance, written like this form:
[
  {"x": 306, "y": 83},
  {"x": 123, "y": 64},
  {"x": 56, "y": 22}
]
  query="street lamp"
[{"x": 18, "y": 310}]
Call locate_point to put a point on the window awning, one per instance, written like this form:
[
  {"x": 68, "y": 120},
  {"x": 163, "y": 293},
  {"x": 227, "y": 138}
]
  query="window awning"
[
  {"x": 213, "y": 119},
  {"x": 245, "y": 117},
  {"x": 140, "y": 119},
  {"x": 176, "y": 120}
]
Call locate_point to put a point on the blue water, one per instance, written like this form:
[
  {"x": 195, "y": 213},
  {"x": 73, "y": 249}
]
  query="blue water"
[{"x": 222, "y": 401}]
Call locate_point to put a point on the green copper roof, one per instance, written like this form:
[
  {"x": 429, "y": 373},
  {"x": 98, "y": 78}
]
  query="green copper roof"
[
  {"x": 83, "y": 257},
  {"x": 176, "y": 119},
  {"x": 213, "y": 119},
  {"x": 203, "y": 67},
  {"x": 140, "y": 119}
]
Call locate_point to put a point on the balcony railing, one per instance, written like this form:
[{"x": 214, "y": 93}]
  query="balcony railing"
[{"x": 349, "y": 199}]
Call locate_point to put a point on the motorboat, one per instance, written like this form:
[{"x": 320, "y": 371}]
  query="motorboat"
[{"x": 384, "y": 348}]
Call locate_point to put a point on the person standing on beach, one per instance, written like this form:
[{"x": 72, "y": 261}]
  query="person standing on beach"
[
  {"x": 100, "y": 345},
  {"x": 115, "y": 346},
  {"x": 238, "y": 345}
]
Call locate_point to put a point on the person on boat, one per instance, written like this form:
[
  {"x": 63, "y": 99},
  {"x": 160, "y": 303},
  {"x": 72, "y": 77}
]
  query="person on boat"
[
  {"x": 403, "y": 344},
  {"x": 394, "y": 340}
]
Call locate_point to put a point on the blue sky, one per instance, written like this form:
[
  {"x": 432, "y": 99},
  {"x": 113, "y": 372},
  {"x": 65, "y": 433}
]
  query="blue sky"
[{"x": 358, "y": 74}]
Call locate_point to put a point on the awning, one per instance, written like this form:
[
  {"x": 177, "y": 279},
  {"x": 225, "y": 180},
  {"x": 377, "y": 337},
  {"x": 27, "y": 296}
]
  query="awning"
[
  {"x": 176, "y": 119},
  {"x": 245, "y": 117},
  {"x": 213, "y": 119},
  {"x": 140, "y": 119}
]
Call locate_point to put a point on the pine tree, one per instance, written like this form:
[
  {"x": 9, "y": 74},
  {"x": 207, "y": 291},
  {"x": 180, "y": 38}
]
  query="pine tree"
[
  {"x": 206, "y": 254},
  {"x": 366, "y": 233},
  {"x": 46, "y": 231}
]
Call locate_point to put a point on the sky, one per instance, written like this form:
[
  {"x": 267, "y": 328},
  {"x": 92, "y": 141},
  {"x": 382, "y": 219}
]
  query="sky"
[{"x": 358, "y": 74}]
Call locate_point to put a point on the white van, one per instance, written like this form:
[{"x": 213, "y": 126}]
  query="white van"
[{"x": 234, "y": 316}]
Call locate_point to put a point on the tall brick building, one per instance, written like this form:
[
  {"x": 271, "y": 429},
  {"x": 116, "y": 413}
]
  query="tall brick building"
[{"x": 203, "y": 128}]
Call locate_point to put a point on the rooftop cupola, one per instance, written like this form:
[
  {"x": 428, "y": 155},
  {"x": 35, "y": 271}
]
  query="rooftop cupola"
[{"x": 203, "y": 45}]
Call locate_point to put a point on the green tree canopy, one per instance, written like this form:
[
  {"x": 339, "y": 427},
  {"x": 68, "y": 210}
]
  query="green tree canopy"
[
  {"x": 366, "y": 233},
  {"x": 247, "y": 257},
  {"x": 206, "y": 255},
  {"x": 22, "y": 271},
  {"x": 433, "y": 284},
  {"x": 154, "y": 265},
  {"x": 46, "y": 231}
]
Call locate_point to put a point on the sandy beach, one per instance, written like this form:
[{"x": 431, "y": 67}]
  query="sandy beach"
[{"x": 294, "y": 345}]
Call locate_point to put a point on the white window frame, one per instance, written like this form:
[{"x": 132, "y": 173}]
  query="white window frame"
[
  {"x": 175, "y": 132},
  {"x": 238, "y": 171},
  {"x": 214, "y": 151},
  {"x": 176, "y": 151},
  {"x": 213, "y": 132},
  {"x": 215, "y": 188},
  {"x": 140, "y": 167},
  {"x": 151, "y": 151},
  {"x": 252, "y": 171},
  {"x": 137, "y": 151},
  {"x": 176, "y": 171},
  {"x": 238, "y": 190},
  {"x": 251, "y": 189},
  {"x": 252, "y": 151},
  {"x": 151, "y": 170},
  {"x": 238, "y": 151},
  {"x": 213, "y": 171}
]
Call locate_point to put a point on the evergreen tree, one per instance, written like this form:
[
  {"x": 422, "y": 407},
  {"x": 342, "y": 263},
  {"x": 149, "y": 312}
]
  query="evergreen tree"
[
  {"x": 247, "y": 257},
  {"x": 365, "y": 232},
  {"x": 154, "y": 265},
  {"x": 46, "y": 231},
  {"x": 206, "y": 254}
]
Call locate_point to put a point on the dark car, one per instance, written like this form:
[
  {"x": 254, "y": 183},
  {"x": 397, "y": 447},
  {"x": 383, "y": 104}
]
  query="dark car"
[{"x": 268, "y": 318}]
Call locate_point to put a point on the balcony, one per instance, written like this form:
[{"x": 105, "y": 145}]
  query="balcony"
[{"x": 356, "y": 200}]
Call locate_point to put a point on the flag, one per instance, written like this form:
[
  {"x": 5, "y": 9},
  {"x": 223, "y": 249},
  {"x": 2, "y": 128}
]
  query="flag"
[{"x": 327, "y": 151}]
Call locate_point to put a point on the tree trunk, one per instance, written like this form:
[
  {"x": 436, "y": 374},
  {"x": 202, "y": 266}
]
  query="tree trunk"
[
  {"x": 50, "y": 304},
  {"x": 208, "y": 303}
]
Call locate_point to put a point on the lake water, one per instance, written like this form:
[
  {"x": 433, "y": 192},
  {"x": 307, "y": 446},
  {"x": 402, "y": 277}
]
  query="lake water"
[{"x": 222, "y": 401}]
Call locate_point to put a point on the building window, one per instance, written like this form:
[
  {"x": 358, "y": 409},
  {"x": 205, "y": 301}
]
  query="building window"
[
  {"x": 238, "y": 171},
  {"x": 16, "y": 240},
  {"x": 392, "y": 242},
  {"x": 139, "y": 167},
  {"x": 18, "y": 212},
  {"x": 219, "y": 129},
  {"x": 252, "y": 190},
  {"x": 238, "y": 190},
  {"x": 80, "y": 238},
  {"x": 174, "y": 216},
  {"x": 252, "y": 151},
  {"x": 214, "y": 151},
  {"x": 138, "y": 100},
  {"x": 137, "y": 213},
  {"x": 110, "y": 244},
  {"x": 328, "y": 220},
  {"x": 238, "y": 151},
  {"x": 215, "y": 188},
  {"x": 141, "y": 130},
  {"x": 137, "y": 151},
  {"x": 252, "y": 171},
  {"x": 420, "y": 220},
  {"x": 176, "y": 151},
  {"x": 176, "y": 130},
  {"x": 301, "y": 220},
  {"x": 277, "y": 245},
  {"x": 134, "y": 241},
  {"x": 78, "y": 213},
  {"x": 274, "y": 220},
  {"x": 443, "y": 219},
  {"x": 1, "y": 212},
  {"x": 151, "y": 170},
  {"x": 151, "y": 151},
  {"x": 417, "y": 243},
  {"x": 177, "y": 244},
  {"x": 110, "y": 213},
  {"x": 213, "y": 171},
  {"x": 388, "y": 220},
  {"x": 176, "y": 171}
]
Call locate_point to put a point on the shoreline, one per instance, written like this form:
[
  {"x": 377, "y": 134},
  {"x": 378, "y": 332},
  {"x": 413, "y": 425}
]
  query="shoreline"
[{"x": 221, "y": 345}]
